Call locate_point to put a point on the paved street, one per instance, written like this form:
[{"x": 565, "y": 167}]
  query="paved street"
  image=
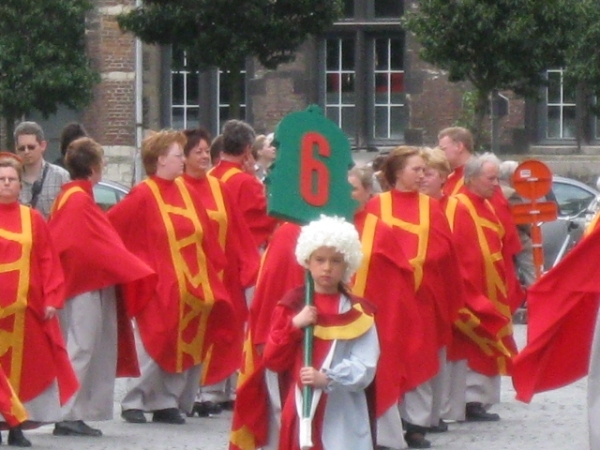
[{"x": 555, "y": 420}]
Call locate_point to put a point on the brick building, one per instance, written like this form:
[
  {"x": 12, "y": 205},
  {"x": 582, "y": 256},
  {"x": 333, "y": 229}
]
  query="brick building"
[{"x": 364, "y": 72}]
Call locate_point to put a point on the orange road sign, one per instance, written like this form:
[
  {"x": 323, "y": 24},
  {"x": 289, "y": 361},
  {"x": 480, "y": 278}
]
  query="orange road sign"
[
  {"x": 525, "y": 213},
  {"x": 532, "y": 179}
]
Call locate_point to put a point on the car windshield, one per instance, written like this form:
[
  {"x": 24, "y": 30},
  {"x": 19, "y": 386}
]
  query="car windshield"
[{"x": 572, "y": 200}]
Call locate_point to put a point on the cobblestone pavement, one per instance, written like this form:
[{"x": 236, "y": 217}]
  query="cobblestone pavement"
[{"x": 553, "y": 421}]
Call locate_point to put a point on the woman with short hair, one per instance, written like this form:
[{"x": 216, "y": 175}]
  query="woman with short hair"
[
  {"x": 423, "y": 232},
  {"x": 103, "y": 280},
  {"x": 32, "y": 354},
  {"x": 164, "y": 223}
]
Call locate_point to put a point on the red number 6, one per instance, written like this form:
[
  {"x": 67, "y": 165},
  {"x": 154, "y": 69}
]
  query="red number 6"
[{"x": 314, "y": 175}]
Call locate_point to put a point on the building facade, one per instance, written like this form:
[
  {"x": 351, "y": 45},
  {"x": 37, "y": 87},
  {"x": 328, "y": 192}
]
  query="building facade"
[{"x": 364, "y": 73}]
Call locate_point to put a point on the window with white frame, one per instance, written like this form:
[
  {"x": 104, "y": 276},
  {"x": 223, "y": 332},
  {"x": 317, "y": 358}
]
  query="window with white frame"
[
  {"x": 389, "y": 88},
  {"x": 185, "y": 85},
  {"x": 362, "y": 73},
  {"x": 187, "y": 106},
  {"x": 340, "y": 90},
  {"x": 561, "y": 107}
]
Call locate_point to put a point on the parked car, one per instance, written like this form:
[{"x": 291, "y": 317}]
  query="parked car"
[
  {"x": 108, "y": 193},
  {"x": 577, "y": 204}
]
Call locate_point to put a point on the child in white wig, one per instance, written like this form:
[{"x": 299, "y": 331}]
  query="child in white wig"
[{"x": 345, "y": 350}]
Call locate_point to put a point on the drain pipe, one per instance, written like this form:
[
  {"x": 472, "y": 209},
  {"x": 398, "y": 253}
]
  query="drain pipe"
[{"x": 138, "y": 169}]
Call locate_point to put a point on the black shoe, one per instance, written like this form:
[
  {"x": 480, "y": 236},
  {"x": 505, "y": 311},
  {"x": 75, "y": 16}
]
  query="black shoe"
[
  {"x": 75, "y": 428},
  {"x": 416, "y": 440},
  {"x": 227, "y": 405},
  {"x": 475, "y": 412},
  {"x": 206, "y": 409},
  {"x": 133, "y": 416},
  {"x": 169, "y": 415},
  {"x": 441, "y": 427},
  {"x": 17, "y": 439}
]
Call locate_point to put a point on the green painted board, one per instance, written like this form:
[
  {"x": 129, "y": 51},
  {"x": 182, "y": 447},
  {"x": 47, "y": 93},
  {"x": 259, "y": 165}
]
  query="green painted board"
[{"x": 310, "y": 174}]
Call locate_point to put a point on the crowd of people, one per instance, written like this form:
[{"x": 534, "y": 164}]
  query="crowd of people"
[{"x": 189, "y": 289}]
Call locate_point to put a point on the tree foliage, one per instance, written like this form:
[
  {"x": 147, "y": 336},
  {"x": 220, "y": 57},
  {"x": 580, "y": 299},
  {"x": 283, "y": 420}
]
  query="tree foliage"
[
  {"x": 583, "y": 56},
  {"x": 494, "y": 44},
  {"x": 224, "y": 33},
  {"x": 43, "y": 63}
]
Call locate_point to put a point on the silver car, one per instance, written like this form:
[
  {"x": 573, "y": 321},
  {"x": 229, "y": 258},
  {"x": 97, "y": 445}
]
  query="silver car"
[
  {"x": 577, "y": 203},
  {"x": 108, "y": 193}
]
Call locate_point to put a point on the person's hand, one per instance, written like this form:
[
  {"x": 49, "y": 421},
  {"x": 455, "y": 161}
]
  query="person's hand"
[
  {"x": 306, "y": 317},
  {"x": 309, "y": 376},
  {"x": 49, "y": 312}
]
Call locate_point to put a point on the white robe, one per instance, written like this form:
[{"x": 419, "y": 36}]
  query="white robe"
[
  {"x": 482, "y": 389},
  {"x": 89, "y": 324},
  {"x": 158, "y": 389},
  {"x": 346, "y": 423}
]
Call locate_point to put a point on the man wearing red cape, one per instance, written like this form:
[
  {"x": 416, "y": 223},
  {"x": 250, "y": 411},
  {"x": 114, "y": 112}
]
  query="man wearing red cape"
[
  {"x": 33, "y": 353},
  {"x": 105, "y": 285},
  {"x": 563, "y": 331},
  {"x": 457, "y": 144},
  {"x": 241, "y": 268},
  {"x": 484, "y": 336},
  {"x": 247, "y": 191}
]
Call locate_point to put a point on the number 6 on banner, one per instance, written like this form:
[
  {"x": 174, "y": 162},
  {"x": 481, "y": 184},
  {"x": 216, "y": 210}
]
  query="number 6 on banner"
[
  {"x": 310, "y": 175},
  {"x": 314, "y": 174}
]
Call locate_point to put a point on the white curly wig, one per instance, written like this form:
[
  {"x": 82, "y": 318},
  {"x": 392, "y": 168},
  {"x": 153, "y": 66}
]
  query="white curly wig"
[{"x": 331, "y": 232}]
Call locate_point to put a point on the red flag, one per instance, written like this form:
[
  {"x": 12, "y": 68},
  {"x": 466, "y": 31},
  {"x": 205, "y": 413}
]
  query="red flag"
[{"x": 562, "y": 308}]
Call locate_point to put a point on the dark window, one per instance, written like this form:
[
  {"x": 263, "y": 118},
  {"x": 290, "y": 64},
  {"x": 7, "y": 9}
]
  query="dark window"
[{"x": 388, "y": 8}]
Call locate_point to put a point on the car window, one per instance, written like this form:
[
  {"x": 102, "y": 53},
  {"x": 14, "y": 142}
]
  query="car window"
[
  {"x": 571, "y": 200},
  {"x": 105, "y": 196}
]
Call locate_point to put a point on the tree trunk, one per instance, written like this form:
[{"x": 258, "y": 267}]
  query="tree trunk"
[
  {"x": 234, "y": 79},
  {"x": 481, "y": 110},
  {"x": 10, "y": 131}
]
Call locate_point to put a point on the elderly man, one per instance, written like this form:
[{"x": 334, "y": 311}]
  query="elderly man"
[
  {"x": 41, "y": 180},
  {"x": 457, "y": 144},
  {"x": 483, "y": 334}
]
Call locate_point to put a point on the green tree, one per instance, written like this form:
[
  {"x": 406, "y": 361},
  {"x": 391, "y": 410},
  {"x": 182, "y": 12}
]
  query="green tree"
[
  {"x": 224, "y": 33},
  {"x": 583, "y": 56},
  {"x": 43, "y": 63},
  {"x": 494, "y": 44}
]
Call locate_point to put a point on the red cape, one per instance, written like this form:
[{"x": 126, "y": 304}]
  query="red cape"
[
  {"x": 93, "y": 256},
  {"x": 11, "y": 408},
  {"x": 385, "y": 278},
  {"x": 251, "y": 410},
  {"x": 512, "y": 243},
  {"x": 154, "y": 220},
  {"x": 242, "y": 260},
  {"x": 44, "y": 358},
  {"x": 279, "y": 273},
  {"x": 441, "y": 292},
  {"x": 562, "y": 307},
  {"x": 485, "y": 339},
  {"x": 249, "y": 194},
  {"x": 284, "y": 354}
]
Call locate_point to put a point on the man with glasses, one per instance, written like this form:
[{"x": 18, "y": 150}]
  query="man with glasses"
[{"x": 41, "y": 180}]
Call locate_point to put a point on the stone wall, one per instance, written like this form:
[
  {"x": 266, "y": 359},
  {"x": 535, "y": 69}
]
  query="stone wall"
[{"x": 110, "y": 119}]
